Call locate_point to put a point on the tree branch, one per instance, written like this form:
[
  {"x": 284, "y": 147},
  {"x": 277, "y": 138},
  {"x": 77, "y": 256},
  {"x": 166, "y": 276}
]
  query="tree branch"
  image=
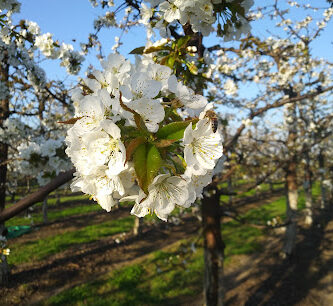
[{"x": 37, "y": 196}]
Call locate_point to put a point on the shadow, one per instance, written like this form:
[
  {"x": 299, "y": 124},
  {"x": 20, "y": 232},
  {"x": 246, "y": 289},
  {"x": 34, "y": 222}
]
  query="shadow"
[
  {"x": 291, "y": 280},
  {"x": 99, "y": 257},
  {"x": 79, "y": 220}
]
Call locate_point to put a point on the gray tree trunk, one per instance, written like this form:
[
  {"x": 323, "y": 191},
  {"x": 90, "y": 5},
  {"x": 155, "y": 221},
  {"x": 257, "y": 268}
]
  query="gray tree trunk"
[
  {"x": 322, "y": 172},
  {"x": 291, "y": 186},
  {"x": 137, "y": 228},
  {"x": 308, "y": 190},
  {"x": 44, "y": 209},
  {"x": 58, "y": 196}
]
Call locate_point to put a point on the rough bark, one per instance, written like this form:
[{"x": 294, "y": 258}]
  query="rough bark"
[
  {"x": 292, "y": 199},
  {"x": 213, "y": 249},
  {"x": 4, "y": 114},
  {"x": 291, "y": 184}
]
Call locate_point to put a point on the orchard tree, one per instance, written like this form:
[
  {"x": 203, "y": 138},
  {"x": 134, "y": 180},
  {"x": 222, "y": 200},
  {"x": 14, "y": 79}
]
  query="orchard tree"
[
  {"x": 144, "y": 131},
  {"x": 286, "y": 73},
  {"x": 25, "y": 92}
]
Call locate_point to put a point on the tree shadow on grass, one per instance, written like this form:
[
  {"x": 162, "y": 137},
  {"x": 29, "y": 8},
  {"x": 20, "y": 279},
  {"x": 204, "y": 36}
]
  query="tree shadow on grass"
[
  {"x": 291, "y": 280},
  {"x": 96, "y": 260}
]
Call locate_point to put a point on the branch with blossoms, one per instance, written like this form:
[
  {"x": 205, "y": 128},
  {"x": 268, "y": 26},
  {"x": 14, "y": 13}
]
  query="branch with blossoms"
[
  {"x": 140, "y": 135},
  {"x": 276, "y": 104}
]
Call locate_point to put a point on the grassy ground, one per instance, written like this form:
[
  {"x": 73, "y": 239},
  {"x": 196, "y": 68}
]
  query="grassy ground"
[
  {"x": 161, "y": 278},
  {"x": 40, "y": 249},
  {"x": 57, "y": 214}
]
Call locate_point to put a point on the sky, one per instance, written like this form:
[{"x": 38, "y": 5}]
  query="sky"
[{"x": 73, "y": 19}]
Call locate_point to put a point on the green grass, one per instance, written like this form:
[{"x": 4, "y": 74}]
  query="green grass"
[
  {"x": 252, "y": 192},
  {"x": 56, "y": 215},
  {"x": 40, "y": 249},
  {"x": 276, "y": 208},
  {"x": 163, "y": 278},
  {"x": 52, "y": 200}
]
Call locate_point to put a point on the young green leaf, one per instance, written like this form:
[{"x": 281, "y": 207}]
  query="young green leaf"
[
  {"x": 147, "y": 162},
  {"x": 174, "y": 128},
  {"x": 138, "y": 50},
  {"x": 140, "y": 165},
  {"x": 154, "y": 162}
]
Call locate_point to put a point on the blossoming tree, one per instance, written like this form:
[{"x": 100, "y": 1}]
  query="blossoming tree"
[{"x": 144, "y": 132}]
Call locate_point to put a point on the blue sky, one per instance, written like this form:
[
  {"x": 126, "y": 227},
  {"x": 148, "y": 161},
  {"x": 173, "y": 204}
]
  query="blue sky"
[{"x": 73, "y": 19}]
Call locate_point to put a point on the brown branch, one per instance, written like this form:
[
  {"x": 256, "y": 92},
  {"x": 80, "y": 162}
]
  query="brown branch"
[
  {"x": 37, "y": 196},
  {"x": 6, "y": 162},
  {"x": 276, "y": 104},
  {"x": 62, "y": 100}
]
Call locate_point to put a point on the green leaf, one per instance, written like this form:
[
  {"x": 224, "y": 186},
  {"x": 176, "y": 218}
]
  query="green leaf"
[
  {"x": 171, "y": 61},
  {"x": 140, "y": 165},
  {"x": 174, "y": 129},
  {"x": 177, "y": 135},
  {"x": 192, "y": 67},
  {"x": 138, "y": 50},
  {"x": 147, "y": 162},
  {"x": 155, "y": 49},
  {"x": 154, "y": 162},
  {"x": 182, "y": 42}
]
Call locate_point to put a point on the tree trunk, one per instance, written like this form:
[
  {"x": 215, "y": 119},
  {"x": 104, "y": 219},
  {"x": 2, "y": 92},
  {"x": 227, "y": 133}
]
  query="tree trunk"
[
  {"x": 4, "y": 114},
  {"x": 292, "y": 199},
  {"x": 45, "y": 218},
  {"x": 58, "y": 196},
  {"x": 213, "y": 249},
  {"x": 308, "y": 190},
  {"x": 322, "y": 171},
  {"x": 4, "y": 267},
  {"x": 230, "y": 189},
  {"x": 137, "y": 228}
]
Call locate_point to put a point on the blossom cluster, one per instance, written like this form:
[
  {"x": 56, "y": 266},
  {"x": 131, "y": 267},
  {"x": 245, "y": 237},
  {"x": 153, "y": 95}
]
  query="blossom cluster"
[
  {"x": 130, "y": 141},
  {"x": 70, "y": 59},
  {"x": 11, "y": 6},
  {"x": 29, "y": 31},
  {"x": 43, "y": 159},
  {"x": 200, "y": 14}
]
